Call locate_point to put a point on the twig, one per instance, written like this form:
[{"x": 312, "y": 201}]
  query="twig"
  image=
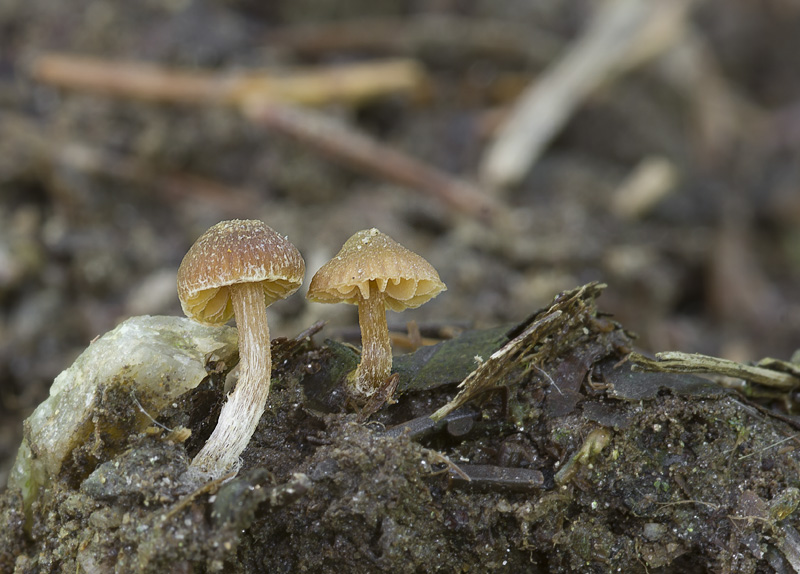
[
  {"x": 208, "y": 487},
  {"x": 256, "y": 95},
  {"x": 644, "y": 187},
  {"x": 432, "y": 333},
  {"x": 710, "y": 505},
  {"x": 310, "y": 331},
  {"x": 624, "y": 34},
  {"x": 722, "y": 116},
  {"x": 675, "y": 362},
  {"x": 148, "y": 415},
  {"x": 345, "y": 83},
  {"x": 283, "y": 348},
  {"x": 362, "y": 152},
  {"x": 441, "y": 458},
  {"x": 406, "y": 343},
  {"x": 773, "y": 445}
]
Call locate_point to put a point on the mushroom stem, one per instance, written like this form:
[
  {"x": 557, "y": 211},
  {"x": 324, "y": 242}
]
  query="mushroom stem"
[
  {"x": 376, "y": 350},
  {"x": 245, "y": 405}
]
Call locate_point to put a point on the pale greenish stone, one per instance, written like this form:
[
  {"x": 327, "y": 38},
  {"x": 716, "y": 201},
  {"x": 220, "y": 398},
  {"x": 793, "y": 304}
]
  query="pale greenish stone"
[{"x": 154, "y": 359}]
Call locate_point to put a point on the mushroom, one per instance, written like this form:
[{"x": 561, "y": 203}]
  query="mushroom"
[
  {"x": 374, "y": 272},
  {"x": 237, "y": 269}
]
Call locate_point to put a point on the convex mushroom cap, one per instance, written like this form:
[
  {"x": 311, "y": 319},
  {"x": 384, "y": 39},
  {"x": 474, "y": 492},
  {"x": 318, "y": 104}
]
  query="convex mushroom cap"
[
  {"x": 236, "y": 251},
  {"x": 371, "y": 260}
]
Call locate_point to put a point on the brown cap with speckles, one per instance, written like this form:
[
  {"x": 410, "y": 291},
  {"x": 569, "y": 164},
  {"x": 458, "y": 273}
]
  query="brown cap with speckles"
[
  {"x": 236, "y": 251},
  {"x": 370, "y": 260}
]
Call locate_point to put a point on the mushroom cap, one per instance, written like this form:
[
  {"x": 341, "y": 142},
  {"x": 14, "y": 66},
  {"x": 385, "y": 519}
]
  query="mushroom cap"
[
  {"x": 370, "y": 260},
  {"x": 236, "y": 251}
]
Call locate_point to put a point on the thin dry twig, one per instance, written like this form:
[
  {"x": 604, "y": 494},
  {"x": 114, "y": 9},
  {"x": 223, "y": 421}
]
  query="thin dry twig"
[
  {"x": 351, "y": 83},
  {"x": 722, "y": 115},
  {"x": 441, "y": 458},
  {"x": 646, "y": 185},
  {"x": 761, "y": 451},
  {"x": 675, "y": 362},
  {"x": 256, "y": 95},
  {"x": 624, "y": 34},
  {"x": 207, "y": 488},
  {"x": 360, "y": 151}
]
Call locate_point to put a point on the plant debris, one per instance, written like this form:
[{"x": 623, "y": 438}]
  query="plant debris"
[
  {"x": 543, "y": 337},
  {"x": 665, "y": 167},
  {"x": 521, "y": 473},
  {"x": 785, "y": 377}
]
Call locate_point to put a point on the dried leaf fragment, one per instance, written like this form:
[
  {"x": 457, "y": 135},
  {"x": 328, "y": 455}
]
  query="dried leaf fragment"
[{"x": 569, "y": 310}]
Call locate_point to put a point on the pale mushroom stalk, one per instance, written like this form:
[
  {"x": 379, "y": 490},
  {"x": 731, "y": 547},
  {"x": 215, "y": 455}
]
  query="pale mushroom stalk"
[
  {"x": 376, "y": 349},
  {"x": 245, "y": 405}
]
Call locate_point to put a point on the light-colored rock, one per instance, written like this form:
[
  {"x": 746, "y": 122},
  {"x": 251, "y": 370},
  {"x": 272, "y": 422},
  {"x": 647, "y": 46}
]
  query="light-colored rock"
[{"x": 98, "y": 402}]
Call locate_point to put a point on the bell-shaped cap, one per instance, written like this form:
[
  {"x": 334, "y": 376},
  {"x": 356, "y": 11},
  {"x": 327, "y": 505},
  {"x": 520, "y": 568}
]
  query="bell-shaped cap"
[
  {"x": 236, "y": 251},
  {"x": 371, "y": 262}
]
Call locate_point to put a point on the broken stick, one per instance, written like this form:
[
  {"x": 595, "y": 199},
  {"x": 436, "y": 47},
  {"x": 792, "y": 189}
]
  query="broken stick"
[
  {"x": 623, "y": 35},
  {"x": 360, "y": 151},
  {"x": 351, "y": 83}
]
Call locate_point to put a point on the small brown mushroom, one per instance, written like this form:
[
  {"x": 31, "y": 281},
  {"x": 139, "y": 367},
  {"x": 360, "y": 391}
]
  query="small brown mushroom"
[
  {"x": 375, "y": 272},
  {"x": 237, "y": 269}
]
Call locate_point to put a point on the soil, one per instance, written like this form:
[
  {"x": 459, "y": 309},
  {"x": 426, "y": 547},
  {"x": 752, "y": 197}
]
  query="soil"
[
  {"x": 595, "y": 468},
  {"x": 101, "y": 197}
]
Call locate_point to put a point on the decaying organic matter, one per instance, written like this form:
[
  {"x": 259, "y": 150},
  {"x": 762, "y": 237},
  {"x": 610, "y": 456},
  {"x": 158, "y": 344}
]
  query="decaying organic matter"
[
  {"x": 579, "y": 464},
  {"x": 666, "y": 167}
]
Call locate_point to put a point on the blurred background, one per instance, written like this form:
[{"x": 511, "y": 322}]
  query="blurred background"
[{"x": 523, "y": 148}]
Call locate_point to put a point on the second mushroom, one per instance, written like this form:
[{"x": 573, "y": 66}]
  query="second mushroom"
[{"x": 376, "y": 273}]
